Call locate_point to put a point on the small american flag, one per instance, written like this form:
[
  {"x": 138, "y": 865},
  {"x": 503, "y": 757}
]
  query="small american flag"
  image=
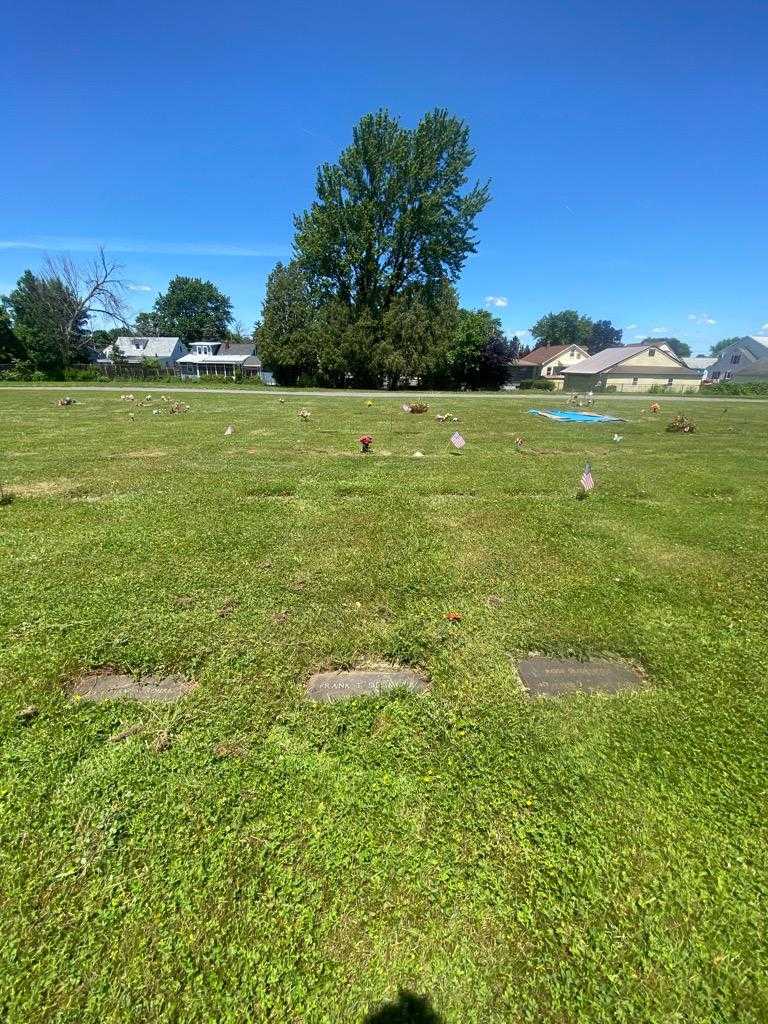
[
  {"x": 457, "y": 440},
  {"x": 587, "y": 481}
]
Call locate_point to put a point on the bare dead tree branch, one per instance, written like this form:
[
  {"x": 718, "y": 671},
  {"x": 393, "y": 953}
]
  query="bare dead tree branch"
[{"x": 74, "y": 295}]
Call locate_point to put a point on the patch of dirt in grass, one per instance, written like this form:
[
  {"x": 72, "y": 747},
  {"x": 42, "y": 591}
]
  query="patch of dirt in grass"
[
  {"x": 109, "y": 684},
  {"x": 98, "y": 499},
  {"x": 127, "y": 733},
  {"x": 46, "y": 488},
  {"x": 269, "y": 495},
  {"x": 146, "y": 453},
  {"x": 230, "y": 749}
]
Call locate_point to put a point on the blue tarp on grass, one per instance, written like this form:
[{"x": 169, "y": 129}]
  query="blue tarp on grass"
[{"x": 571, "y": 416}]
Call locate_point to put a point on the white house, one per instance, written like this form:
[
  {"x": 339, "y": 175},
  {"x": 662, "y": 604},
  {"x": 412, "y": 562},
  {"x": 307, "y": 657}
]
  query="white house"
[
  {"x": 548, "y": 361},
  {"x": 633, "y": 368},
  {"x": 219, "y": 358},
  {"x": 167, "y": 351},
  {"x": 738, "y": 356}
]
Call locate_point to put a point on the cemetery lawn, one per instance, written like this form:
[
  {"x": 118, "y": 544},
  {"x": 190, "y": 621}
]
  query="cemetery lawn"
[{"x": 246, "y": 855}]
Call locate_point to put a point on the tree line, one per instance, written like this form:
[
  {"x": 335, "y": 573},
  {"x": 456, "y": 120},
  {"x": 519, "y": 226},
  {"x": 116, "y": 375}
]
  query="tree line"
[{"x": 368, "y": 299}]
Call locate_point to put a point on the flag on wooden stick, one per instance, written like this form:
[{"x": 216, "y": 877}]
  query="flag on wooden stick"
[
  {"x": 457, "y": 440},
  {"x": 587, "y": 480}
]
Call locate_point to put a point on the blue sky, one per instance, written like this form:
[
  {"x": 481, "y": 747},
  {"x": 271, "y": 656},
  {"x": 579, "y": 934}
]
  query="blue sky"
[{"x": 626, "y": 143}]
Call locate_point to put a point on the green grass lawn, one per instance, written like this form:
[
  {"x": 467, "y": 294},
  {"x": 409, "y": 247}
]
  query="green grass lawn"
[{"x": 585, "y": 859}]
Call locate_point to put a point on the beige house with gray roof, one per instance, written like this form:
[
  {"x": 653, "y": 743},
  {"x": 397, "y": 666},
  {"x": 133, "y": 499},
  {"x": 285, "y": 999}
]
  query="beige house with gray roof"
[{"x": 633, "y": 369}]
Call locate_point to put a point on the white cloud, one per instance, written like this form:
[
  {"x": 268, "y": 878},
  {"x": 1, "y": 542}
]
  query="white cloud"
[
  {"x": 140, "y": 288},
  {"x": 521, "y": 331},
  {"x": 659, "y": 330},
  {"x": 497, "y": 300},
  {"x": 764, "y": 327},
  {"x": 631, "y": 327},
  {"x": 90, "y": 245},
  {"x": 639, "y": 337},
  {"x": 702, "y": 319}
]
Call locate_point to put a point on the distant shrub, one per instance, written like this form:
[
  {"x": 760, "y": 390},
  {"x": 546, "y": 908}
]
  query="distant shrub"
[
  {"x": 22, "y": 371},
  {"x": 747, "y": 389},
  {"x": 537, "y": 384},
  {"x": 86, "y": 375}
]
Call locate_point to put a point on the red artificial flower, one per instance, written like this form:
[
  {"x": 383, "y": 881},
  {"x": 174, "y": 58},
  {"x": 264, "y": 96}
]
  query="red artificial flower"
[{"x": 365, "y": 439}]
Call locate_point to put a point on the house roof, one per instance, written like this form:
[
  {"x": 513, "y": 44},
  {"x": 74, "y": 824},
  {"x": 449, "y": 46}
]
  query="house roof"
[
  {"x": 146, "y": 348},
  {"x": 699, "y": 362},
  {"x": 611, "y": 357},
  {"x": 754, "y": 371},
  {"x": 756, "y": 345},
  {"x": 237, "y": 349},
  {"x": 544, "y": 353}
]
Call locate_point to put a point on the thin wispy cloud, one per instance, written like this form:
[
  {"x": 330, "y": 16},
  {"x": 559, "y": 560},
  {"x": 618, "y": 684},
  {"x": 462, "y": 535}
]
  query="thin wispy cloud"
[
  {"x": 631, "y": 327},
  {"x": 659, "y": 330},
  {"x": 639, "y": 337},
  {"x": 764, "y": 327},
  {"x": 55, "y": 243},
  {"x": 139, "y": 288},
  {"x": 500, "y": 301},
  {"x": 521, "y": 331},
  {"x": 702, "y": 319}
]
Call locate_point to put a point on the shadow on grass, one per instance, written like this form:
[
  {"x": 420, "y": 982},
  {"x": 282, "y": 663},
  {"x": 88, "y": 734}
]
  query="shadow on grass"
[{"x": 406, "y": 1009}]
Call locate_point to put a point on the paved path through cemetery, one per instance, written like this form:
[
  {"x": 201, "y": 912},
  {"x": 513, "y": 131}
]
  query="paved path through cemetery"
[{"x": 400, "y": 396}]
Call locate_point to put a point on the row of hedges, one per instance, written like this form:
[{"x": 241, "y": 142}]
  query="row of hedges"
[
  {"x": 537, "y": 384},
  {"x": 20, "y": 374},
  {"x": 745, "y": 389}
]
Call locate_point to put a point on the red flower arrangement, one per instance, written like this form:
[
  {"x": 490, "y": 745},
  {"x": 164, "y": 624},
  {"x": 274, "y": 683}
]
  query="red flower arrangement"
[{"x": 365, "y": 443}]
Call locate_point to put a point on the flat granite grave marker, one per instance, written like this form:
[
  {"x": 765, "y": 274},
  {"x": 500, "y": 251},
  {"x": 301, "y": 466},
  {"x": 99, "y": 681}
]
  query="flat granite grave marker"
[
  {"x": 106, "y": 685},
  {"x": 553, "y": 677},
  {"x": 368, "y": 682}
]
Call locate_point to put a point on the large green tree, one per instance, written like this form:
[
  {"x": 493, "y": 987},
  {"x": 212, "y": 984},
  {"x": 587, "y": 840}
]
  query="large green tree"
[
  {"x": 38, "y": 305},
  {"x": 286, "y": 335},
  {"x": 369, "y": 297},
  {"x": 476, "y": 355},
  {"x": 394, "y": 212},
  {"x": 418, "y": 328},
  {"x": 603, "y": 335},
  {"x": 10, "y": 346},
  {"x": 191, "y": 309},
  {"x": 564, "y": 328}
]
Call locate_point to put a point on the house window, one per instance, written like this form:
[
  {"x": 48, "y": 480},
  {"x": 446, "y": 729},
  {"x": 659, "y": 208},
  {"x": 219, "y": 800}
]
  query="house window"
[
  {"x": 635, "y": 380},
  {"x": 670, "y": 381},
  {"x": 651, "y": 351},
  {"x": 736, "y": 358},
  {"x": 573, "y": 352},
  {"x": 549, "y": 371}
]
